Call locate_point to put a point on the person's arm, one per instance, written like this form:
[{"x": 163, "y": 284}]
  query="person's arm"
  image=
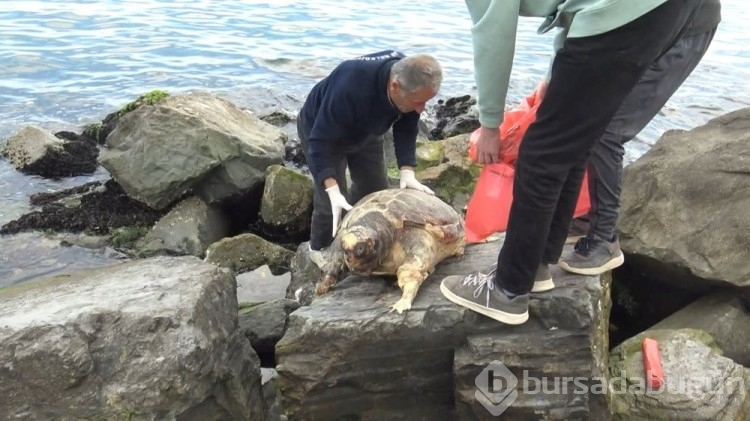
[
  {"x": 493, "y": 33},
  {"x": 405, "y": 144},
  {"x": 405, "y": 132},
  {"x": 332, "y": 124}
]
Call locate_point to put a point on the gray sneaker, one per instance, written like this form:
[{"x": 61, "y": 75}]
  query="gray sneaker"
[
  {"x": 478, "y": 292},
  {"x": 593, "y": 256},
  {"x": 543, "y": 280},
  {"x": 577, "y": 229}
]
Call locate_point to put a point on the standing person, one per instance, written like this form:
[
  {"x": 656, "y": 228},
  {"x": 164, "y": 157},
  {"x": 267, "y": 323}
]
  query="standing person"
[
  {"x": 605, "y": 47},
  {"x": 342, "y": 124},
  {"x": 598, "y": 249}
]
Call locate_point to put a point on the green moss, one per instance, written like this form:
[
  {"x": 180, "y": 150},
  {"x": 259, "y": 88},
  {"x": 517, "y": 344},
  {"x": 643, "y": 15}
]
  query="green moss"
[
  {"x": 393, "y": 172},
  {"x": 429, "y": 154},
  {"x": 93, "y": 130},
  {"x": 126, "y": 237},
  {"x": 245, "y": 307},
  {"x": 293, "y": 194},
  {"x": 455, "y": 181},
  {"x": 149, "y": 98}
]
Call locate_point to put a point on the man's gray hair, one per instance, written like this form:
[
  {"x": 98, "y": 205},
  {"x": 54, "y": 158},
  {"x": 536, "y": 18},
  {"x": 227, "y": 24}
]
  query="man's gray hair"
[{"x": 416, "y": 72}]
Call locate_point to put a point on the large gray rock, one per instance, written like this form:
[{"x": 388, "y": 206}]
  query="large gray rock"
[
  {"x": 264, "y": 324},
  {"x": 722, "y": 316},
  {"x": 287, "y": 205},
  {"x": 699, "y": 383},
  {"x": 347, "y": 357},
  {"x": 151, "y": 339},
  {"x": 246, "y": 252},
  {"x": 195, "y": 141},
  {"x": 685, "y": 205},
  {"x": 188, "y": 229},
  {"x": 29, "y": 145}
]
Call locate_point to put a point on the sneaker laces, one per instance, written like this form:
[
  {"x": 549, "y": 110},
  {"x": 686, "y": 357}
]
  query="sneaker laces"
[
  {"x": 479, "y": 280},
  {"x": 584, "y": 245}
]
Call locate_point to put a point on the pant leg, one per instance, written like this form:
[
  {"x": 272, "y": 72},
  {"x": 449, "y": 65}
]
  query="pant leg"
[
  {"x": 658, "y": 84},
  {"x": 367, "y": 169},
  {"x": 591, "y": 76},
  {"x": 321, "y": 225}
]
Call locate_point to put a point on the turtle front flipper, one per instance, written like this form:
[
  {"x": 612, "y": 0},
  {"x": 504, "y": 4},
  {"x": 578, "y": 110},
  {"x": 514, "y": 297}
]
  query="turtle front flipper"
[
  {"x": 418, "y": 263},
  {"x": 332, "y": 270}
]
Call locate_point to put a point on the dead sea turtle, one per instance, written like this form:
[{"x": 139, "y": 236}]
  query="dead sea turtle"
[{"x": 402, "y": 232}]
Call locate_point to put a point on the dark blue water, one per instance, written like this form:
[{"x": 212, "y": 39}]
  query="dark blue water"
[{"x": 66, "y": 64}]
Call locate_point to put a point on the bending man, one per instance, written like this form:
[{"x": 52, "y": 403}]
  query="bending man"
[{"x": 342, "y": 124}]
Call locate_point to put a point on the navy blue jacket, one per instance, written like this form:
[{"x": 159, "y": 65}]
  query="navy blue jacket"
[{"x": 351, "y": 104}]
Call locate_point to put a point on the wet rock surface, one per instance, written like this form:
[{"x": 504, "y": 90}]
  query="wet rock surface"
[
  {"x": 99, "y": 210},
  {"x": 346, "y": 355}
]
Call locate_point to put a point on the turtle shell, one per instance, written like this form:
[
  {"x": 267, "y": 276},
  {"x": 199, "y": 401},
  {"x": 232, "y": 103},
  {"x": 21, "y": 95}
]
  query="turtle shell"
[{"x": 406, "y": 208}]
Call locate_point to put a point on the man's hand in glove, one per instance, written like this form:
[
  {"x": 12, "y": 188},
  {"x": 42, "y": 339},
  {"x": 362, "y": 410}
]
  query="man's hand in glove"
[
  {"x": 409, "y": 180},
  {"x": 338, "y": 203}
]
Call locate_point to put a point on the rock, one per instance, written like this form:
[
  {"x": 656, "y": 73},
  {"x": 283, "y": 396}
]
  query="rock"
[
  {"x": 152, "y": 339},
  {"x": 699, "y": 383},
  {"x": 194, "y": 141},
  {"x": 389, "y": 152},
  {"x": 287, "y": 204},
  {"x": 304, "y": 274},
  {"x": 260, "y": 286},
  {"x": 188, "y": 229},
  {"x": 456, "y": 148},
  {"x": 722, "y": 316},
  {"x": 347, "y": 357},
  {"x": 246, "y": 252},
  {"x": 88, "y": 208},
  {"x": 453, "y": 182},
  {"x": 265, "y": 324},
  {"x": 455, "y": 116},
  {"x": 294, "y": 155},
  {"x": 34, "y": 151},
  {"x": 277, "y": 118},
  {"x": 684, "y": 205},
  {"x": 429, "y": 154},
  {"x": 270, "y": 394}
]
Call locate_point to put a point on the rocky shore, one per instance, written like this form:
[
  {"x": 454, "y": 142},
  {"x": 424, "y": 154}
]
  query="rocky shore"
[{"x": 203, "y": 193}]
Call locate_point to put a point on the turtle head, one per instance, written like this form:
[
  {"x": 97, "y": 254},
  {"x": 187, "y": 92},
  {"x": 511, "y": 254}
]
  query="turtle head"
[{"x": 363, "y": 249}]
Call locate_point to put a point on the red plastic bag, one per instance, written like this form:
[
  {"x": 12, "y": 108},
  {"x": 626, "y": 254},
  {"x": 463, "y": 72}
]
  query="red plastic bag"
[
  {"x": 515, "y": 123},
  {"x": 489, "y": 207}
]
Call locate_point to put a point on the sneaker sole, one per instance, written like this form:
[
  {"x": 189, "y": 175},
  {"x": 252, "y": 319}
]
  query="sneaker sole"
[
  {"x": 542, "y": 286},
  {"x": 615, "y": 262},
  {"x": 500, "y": 316}
]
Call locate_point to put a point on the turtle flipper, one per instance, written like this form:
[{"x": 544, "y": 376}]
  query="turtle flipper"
[
  {"x": 417, "y": 265},
  {"x": 332, "y": 270}
]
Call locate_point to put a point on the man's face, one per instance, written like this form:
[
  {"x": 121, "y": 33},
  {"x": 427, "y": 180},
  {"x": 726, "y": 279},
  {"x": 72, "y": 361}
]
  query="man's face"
[{"x": 407, "y": 102}]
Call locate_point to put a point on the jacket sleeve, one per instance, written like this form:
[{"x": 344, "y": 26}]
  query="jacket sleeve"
[
  {"x": 331, "y": 126},
  {"x": 493, "y": 33},
  {"x": 405, "y": 139}
]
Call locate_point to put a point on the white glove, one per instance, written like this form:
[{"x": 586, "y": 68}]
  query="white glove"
[
  {"x": 338, "y": 202},
  {"x": 409, "y": 180}
]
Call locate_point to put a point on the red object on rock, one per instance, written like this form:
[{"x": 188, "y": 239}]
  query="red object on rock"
[{"x": 652, "y": 363}]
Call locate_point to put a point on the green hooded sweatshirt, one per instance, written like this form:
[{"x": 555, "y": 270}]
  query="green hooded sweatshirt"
[{"x": 495, "y": 23}]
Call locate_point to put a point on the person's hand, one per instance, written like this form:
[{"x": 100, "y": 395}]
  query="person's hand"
[
  {"x": 409, "y": 180},
  {"x": 338, "y": 203},
  {"x": 488, "y": 145}
]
